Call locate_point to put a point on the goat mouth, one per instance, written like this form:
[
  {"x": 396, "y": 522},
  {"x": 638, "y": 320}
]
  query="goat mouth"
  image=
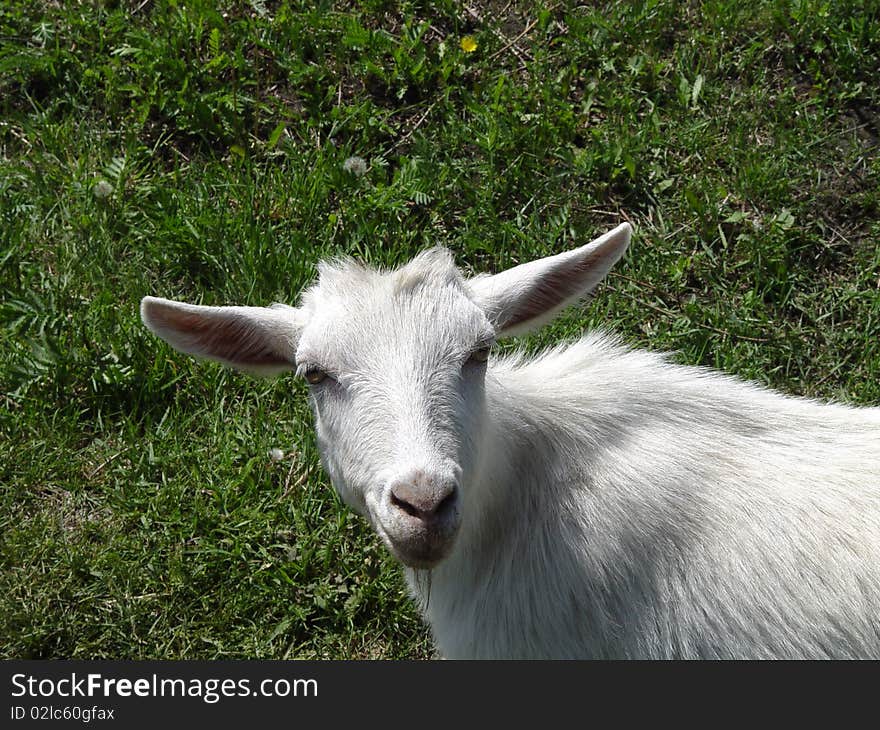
[
  {"x": 422, "y": 559},
  {"x": 412, "y": 542},
  {"x": 423, "y": 553}
]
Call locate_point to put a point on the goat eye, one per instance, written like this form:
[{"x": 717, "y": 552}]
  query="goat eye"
[
  {"x": 315, "y": 375},
  {"x": 481, "y": 355}
]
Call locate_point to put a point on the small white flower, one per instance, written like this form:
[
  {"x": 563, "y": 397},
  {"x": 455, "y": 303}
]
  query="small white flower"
[
  {"x": 276, "y": 454},
  {"x": 355, "y": 165},
  {"x": 102, "y": 189}
]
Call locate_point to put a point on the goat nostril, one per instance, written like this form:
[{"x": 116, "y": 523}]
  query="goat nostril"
[
  {"x": 423, "y": 504},
  {"x": 404, "y": 506},
  {"x": 446, "y": 504}
]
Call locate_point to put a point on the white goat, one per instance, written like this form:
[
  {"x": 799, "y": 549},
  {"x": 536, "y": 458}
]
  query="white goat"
[{"x": 592, "y": 502}]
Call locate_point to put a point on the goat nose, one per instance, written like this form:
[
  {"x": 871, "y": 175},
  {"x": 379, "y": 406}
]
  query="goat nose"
[{"x": 424, "y": 497}]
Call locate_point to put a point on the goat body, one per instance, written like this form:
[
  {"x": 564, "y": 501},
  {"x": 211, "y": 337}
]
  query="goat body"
[{"x": 635, "y": 508}]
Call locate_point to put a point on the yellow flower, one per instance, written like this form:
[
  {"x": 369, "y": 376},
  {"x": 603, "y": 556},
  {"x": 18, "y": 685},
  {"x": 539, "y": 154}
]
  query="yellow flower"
[{"x": 468, "y": 44}]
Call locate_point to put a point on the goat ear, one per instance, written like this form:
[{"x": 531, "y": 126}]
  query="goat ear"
[
  {"x": 260, "y": 340},
  {"x": 528, "y": 296}
]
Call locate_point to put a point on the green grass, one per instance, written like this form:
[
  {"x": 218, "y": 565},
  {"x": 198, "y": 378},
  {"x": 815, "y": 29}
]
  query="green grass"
[{"x": 140, "y": 513}]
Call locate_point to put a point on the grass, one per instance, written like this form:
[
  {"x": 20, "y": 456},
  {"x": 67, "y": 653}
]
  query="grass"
[{"x": 197, "y": 151}]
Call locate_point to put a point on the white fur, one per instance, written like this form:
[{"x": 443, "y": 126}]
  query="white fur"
[
  {"x": 610, "y": 503},
  {"x": 629, "y": 507}
]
